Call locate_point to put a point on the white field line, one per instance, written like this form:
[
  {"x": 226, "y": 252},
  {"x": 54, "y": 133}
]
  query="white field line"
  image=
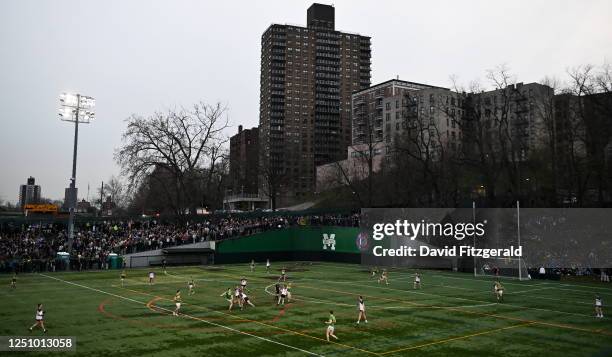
[
  {"x": 532, "y": 290},
  {"x": 482, "y": 302},
  {"x": 187, "y": 316},
  {"x": 330, "y": 302},
  {"x": 452, "y": 297},
  {"x": 178, "y": 277},
  {"x": 548, "y": 284},
  {"x": 533, "y": 282},
  {"x": 528, "y": 290}
]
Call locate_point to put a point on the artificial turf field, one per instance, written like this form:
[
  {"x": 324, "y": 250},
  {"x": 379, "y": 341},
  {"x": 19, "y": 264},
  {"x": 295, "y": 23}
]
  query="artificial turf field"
[{"x": 454, "y": 314}]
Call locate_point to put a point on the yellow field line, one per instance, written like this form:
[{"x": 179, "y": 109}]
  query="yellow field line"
[
  {"x": 456, "y": 338},
  {"x": 458, "y": 309},
  {"x": 564, "y": 326},
  {"x": 267, "y": 325}
]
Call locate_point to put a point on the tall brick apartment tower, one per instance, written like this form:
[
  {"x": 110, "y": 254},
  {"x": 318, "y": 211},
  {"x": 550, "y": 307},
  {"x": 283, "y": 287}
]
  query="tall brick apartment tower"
[{"x": 307, "y": 77}]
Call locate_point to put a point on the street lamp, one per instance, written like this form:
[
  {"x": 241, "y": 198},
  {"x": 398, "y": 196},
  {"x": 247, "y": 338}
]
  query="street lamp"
[{"x": 77, "y": 109}]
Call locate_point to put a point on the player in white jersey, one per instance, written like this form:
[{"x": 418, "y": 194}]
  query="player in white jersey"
[
  {"x": 238, "y": 296},
  {"x": 283, "y": 295},
  {"x": 384, "y": 277},
  {"x": 243, "y": 284},
  {"x": 252, "y": 265},
  {"x": 40, "y": 317},
  {"x": 267, "y": 265},
  {"x": 598, "y": 307},
  {"x": 289, "y": 292},
  {"x": 151, "y": 278},
  {"x": 245, "y": 299},
  {"x": 417, "y": 281},
  {"x": 361, "y": 308}
]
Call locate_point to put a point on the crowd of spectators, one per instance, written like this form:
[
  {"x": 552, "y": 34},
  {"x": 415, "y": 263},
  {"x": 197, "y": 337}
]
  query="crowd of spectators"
[{"x": 34, "y": 247}]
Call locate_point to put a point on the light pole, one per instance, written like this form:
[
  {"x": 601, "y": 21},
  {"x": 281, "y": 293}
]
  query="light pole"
[{"x": 75, "y": 108}]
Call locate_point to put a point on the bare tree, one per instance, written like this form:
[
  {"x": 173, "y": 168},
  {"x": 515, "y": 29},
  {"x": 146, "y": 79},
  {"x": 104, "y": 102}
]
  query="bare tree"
[
  {"x": 545, "y": 106},
  {"x": 179, "y": 142},
  {"x": 116, "y": 190},
  {"x": 590, "y": 86},
  {"x": 426, "y": 148},
  {"x": 273, "y": 177},
  {"x": 479, "y": 147}
]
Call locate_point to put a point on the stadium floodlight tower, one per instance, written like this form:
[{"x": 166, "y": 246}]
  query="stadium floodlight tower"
[{"x": 75, "y": 108}]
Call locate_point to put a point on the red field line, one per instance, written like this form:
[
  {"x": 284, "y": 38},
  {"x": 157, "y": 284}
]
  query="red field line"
[
  {"x": 286, "y": 330},
  {"x": 102, "y": 308}
]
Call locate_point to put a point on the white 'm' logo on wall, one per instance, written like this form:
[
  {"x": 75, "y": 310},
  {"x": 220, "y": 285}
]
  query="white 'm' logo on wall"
[{"x": 329, "y": 240}]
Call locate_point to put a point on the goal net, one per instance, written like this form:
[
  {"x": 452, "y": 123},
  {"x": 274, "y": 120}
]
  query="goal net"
[{"x": 513, "y": 268}]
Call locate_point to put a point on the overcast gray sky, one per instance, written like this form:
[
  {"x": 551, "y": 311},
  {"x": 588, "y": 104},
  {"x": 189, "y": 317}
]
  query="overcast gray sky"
[{"x": 141, "y": 56}]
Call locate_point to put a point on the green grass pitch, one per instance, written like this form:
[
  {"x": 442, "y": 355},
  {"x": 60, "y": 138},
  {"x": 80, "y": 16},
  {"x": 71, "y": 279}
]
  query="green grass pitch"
[{"x": 454, "y": 314}]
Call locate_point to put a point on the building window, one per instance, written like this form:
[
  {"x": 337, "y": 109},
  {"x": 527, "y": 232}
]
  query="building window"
[{"x": 388, "y": 106}]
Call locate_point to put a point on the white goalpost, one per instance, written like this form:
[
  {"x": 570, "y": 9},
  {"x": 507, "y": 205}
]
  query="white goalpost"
[{"x": 510, "y": 267}]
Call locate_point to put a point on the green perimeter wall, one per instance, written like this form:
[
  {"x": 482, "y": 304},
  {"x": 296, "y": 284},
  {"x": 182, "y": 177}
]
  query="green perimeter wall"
[{"x": 294, "y": 243}]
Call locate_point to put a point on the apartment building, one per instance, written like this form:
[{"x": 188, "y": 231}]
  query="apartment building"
[{"x": 308, "y": 75}]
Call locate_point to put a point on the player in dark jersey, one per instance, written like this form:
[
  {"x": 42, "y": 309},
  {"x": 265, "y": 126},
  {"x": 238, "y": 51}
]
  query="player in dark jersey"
[
  {"x": 229, "y": 297},
  {"x": 14, "y": 281},
  {"x": 331, "y": 326},
  {"x": 191, "y": 286},
  {"x": 277, "y": 294},
  {"x": 498, "y": 288}
]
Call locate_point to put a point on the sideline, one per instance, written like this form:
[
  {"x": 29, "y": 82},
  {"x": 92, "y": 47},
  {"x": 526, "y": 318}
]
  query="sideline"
[{"x": 187, "y": 316}]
